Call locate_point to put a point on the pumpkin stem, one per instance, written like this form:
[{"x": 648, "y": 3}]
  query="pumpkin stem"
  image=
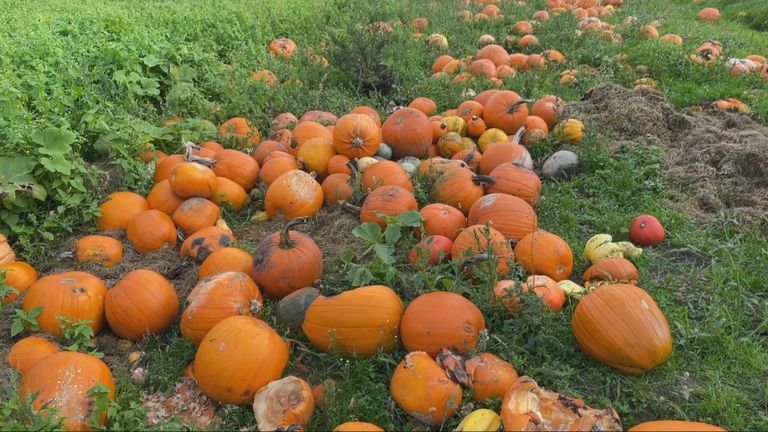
[
  {"x": 512, "y": 108},
  {"x": 483, "y": 179},
  {"x": 351, "y": 207},
  {"x": 357, "y": 142},
  {"x": 255, "y": 307},
  {"x": 302, "y": 163},
  {"x": 189, "y": 157},
  {"x": 285, "y": 238},
  {"x": 518, "y": 135},
  {"x": 471, "y": 155},
  {"x": 353, "y": 168}
]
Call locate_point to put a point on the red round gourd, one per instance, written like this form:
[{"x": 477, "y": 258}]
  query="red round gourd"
[{"x": 646, "y": 230}]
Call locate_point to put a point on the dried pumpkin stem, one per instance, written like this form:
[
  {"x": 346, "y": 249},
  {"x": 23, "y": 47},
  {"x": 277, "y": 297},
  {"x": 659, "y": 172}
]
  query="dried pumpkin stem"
[
  {"x": 285, "y": 238},
  {"x": 483, "y": 179},
  {"x": 351, "y": 207},
  {"x": 189, "y": 157},
  {"x": 518, "y": 135}
]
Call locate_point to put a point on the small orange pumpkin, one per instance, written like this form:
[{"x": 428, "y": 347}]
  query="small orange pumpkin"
[
  {"x": 357, "y": 426},
  {"x": 506, "y": 110},
  {"x": 503, "y": 152},
  {"x": 544, "y": 253},
  {"x": 19, "y": 276},
  {"x": 241, "y": 131},
  {"x": 162, "y": 198},
  {"x": 27, "y": 352},
  {"x": 142, "y": 302},
  {"x": 119, "y": 209},
  {"x": 356, "y": 136},
  {"x": 675, "y": 426},
  {"x": 612, "y": 269},
  {"x": 103, "y": 250},
  {"x": 423, "y": 104},
  {"x": 230, "y": 194},
  {"x": 224, "y": 260},
  {"x": 7, "y": 255},
  {"x": 442, "y": 219},
  {"x": 305, "y": 131},
  {"x": 165, "y": 166},
  {"x": 195, "y": 214},
  {"x": 150, "y": 231},
  {"x": 423, "y": 390},
  {"x": 266, "y": 147}
]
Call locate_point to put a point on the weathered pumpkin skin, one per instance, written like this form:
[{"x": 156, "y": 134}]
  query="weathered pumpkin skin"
[
  {"x": 675, "y": 426},
  {"x": 238, "y": 357},
  {"x": 27, "y": 352},
  {"x": 423, "y": 390},
  {"x": 283, "y": 404},
  {"x": 63, "y": 380},
  {"x": 508, "y": 214},
  {"x": 356, "y": 322},
  {"x": 621, "y": 326},
  {"x": 294, "y": 194},
  {"x": 292, "y": 308},
  {"x": 544, "y": 253},
  {"x": 76, "y": 295},
  {"x": 441, "y": 319},
  {"x": 103, "y": 250},
  {"x": 206, "y": 241},
  {"x": 491, "y": 376}
]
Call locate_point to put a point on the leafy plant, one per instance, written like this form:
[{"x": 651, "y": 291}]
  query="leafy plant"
[
  {"x": 18, "y": 415},
  {"x": 25, "y": 320},
  {"x": 78, "y": 334}
]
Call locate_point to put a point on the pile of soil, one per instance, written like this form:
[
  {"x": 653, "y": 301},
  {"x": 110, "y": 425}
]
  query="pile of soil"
[{"x": 714, "y": 160}]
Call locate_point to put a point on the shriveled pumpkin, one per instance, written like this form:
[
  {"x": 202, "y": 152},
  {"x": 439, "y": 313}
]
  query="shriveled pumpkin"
[
  {"x": 442, "y": 219},
  {"x": 191, "y": 179},
  {"x": 512, "y": 179},
  {"x": 544, "y": 253},
  {"x": 612, "y": 269},
  {"x": 389, "y": 200},
  {"x": 460, "y": 188},
  {"x": 675, "y": 426},
  {"x": 224, "y": 260},
  {"x": 286, "y": 403},
  {"x": 216, "y": 298},
  {"x": 150, "y": 231},
  {"x": 315, "y": 154},
  {"x": 528, "y": 407},
  {"x": 441, "y": 319},
  {"x": 76, "y": 295},
  {"x": 206, "y": 241},
  {"x": 490, "y": 376},
  {"x": 510, "y": 215},
  {"x": 423, "y": 390},
  {"x": 386, "y": 173},
  {"x": 195, "y": 214},
  {"x": 142, "y": 302},
  {"x": 18, "y": 276},
  {"x": 408, "y": 132},
  {"x": 27, "y": 352},
  {"x": 238, "y": 357},
  {"x": 505, "y": 110},
  {"x": 238, "y": 167},
  {"x": 62, "y": 381},
  {"x": 477, "y": 239},
  {"x": 292, "y": 195},
  {"x": 286, "y": 261},
  {"x": 621, "y": 326},
  {"x": 230, "y": 194},
  {"x": 119, "y": 208},
  {"x": 356, "y": 322}
]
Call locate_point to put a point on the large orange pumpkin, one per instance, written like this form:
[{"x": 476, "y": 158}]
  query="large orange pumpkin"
[
  {"x": 441, "y": 319},
  {"x": 442, "y": 219},
  {"x": 508, "y": 214},
  {"x": 62, "y": 381},
  {"x": 293, "y": 194},
  {"x": 622, "y": 327},
  {"x": 206, "y": 241},
  {"x": 675, "y": 426},
  {"x": 162, "y": 198},
  {"x": 224, "y": 260},
  {"x": 490, "y": 375},
  {"x": 119, "y": 209},
  {"x": 505, "y": 110},
  {"x": 356, "y": 322},
  {"x": 27, "y": 352},
  {"x": 75, "y": 295},
  {"x": 386, "y": 173},
  {"x": 476, "y": 239},
  {"x": 541, "y": 252},
  {"x": 238, "y": 167},
  {"x": 390, "y": 200},
  {"x": 460, "y": 188},
  {"x": 286, "y": 261},
  {"x": 356, "y": 136},
  {"x": 216, "y": 298},
  {"x": 190, "y": 179},
  {"x": 408, "y": 132},
  {"x": 99, "y": 249},
  {"x": 18, "y": 276},
  {"x": 238, "y": 357},
  {"x": 142, "y": 302},
  {"x": 423, "y": 390},
  {"x": 515, "y": 180},
  {"x": 195, "y": 214},
  {"x": 150, "y": 231},
  {"x": 315, "y": 154}
]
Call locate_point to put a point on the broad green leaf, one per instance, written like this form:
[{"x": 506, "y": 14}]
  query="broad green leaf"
[
  {"x": 54, "y": 141},
  {"x": 392, "y": 234},
  {"x": 360, "y": 276},
  {"x": 411, "y": 218},
  {"x": 17, "y": 169},
  {"x": 385, "y": 252},
  {"x": 151, "y": 60},
  {"x": 57, "y": 163},
  {"x": 368, "y": 231}
]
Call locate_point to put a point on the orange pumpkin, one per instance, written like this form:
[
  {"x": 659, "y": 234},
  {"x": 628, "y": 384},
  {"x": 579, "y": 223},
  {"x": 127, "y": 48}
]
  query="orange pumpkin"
[
  {"x": 7, "y": 255},
  {"x": 337, "y": 188},
  {"x": 484, "y": 96},
  {"x": 226, "y": 259},
  {"x": 165, "y": 166},
  {"x": 470, "y": 156},
  {"x": 75, "y": 295},
  {"x": 515, "y": 180},
  {"x": 386, "y": 173},
  {"x": 27, "y": 352},
  {"x": 408, "y": 132},
  {"x": 506, "y": 110},
  {"x": 195, "y": 214},
  {"x": 510, "y": 215},
  {"x": 305, "y": 131},
  {"x": 356, "y": 136},
  {"x": 434, "y": 167},
  {"x": 282, "y": 47},
  {"x": 238, "y": 167},
  {"x": 544, "y": 253},
  {"x": 325, "y": 118},
  {"x": 119, "y": 209},
  {"x": 370, "y": 112},
  {"x": 502, "y": 152},
  {"x": 162, "y": 198},
  {"x": 423, "y": 390},
  {"x": 476, "y": 239},
  {"x": 62, "y": 381},
  {"x": 622, "y": 327},
  {"x": 206, "y": 241},
  {"x": 229, "y": 193},
  {"x": 357, "y": 322},
  {"x": 241, "y": 131},
  {"x": 442, "y": 219},
  {"x": 213, "y": 146},
  {"x": 709, "y": 14},
  {"x": 357, "y": 426},
  {"x": 389, "y": 200},
  {"x": 338, "y": 164},
  {"x": 190, "y": 179},
  {"x": 423, "y": 104},
  {"x": 102, "y": 250},
  {"x": 18, "y": 276},
  {"x": 496, "y": 54},
  {"x": 277, "y": 165},
  {"x": 490, "y": 376},
  {"x": 266, "y": 147},
  {"x": 284, "y": 404},
  {"x": 546, "y": 289},
  {"x": 150, "y": 231},
  {"x": 675, "y": 426},
  {"x": 440, "y": 63},
  {"x": 142, "y": 302},
  {"x": 287, "y": 260},
  {"x": 293, "y": 194},
  {"x": 612, "y": 269},
  {"x": 441, "y": 319},
  {"x": 238, "y": 357},
  {"x": 476, "y": 126},
  {"x": 216, "y": 298},
  {"x": 315, "y": 154},
  {"x": 460, "y": 188}
]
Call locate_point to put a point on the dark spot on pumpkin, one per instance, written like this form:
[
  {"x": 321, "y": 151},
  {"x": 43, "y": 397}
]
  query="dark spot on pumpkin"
[
  {"x": 224, "y": 240},
  {"x": 197, "y": 242}
]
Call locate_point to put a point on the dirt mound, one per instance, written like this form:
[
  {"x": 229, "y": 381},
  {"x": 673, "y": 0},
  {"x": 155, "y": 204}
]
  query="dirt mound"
[{"x": 715, "y": 160}]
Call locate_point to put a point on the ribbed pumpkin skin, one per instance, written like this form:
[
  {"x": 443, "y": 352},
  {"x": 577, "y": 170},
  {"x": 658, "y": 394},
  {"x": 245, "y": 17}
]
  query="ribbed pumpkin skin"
[
  {"x": 356, "y": 136},
  {"x": 356, "y": 322},
  {"x": 63, "y": 380},
  {"x": 18, "y": 275},
  {"x": 119, "y": 209},
  {"x": 508, "y": 214},
  {"x": 544, "y": 253},
  {"x": 515, "y": 180},
  {"x": 142, "y": 302},
  {"x": 76, "y": 295},
  {"x": 442, "y": 219},
  {"x": 612, "y": 269},
  {"x": 458, "y": 187},
  {"x": 226, "y": 259},
  {"x": 390, "y": 200},
  {"x": 103, "y": 250},
  {"x": 423, "y": 390},
  {"x": 164, "y": 167},
  {"x": 408, "y": 132},
  {"x": 216, "y": 298},
  {"x": 151, "y": 230},
  {"x": 238, "y": 167},
  {"x": 7, "y": 255},
  {"x": 441, "y": 319},
  {"x": 386, "y": 173},
  {"x": 503, "y": 152},
  {"x": 473, "y": 240},
  {"x": 162, "y": 198},
  {"x": 622, "y": 327},
  {"x": 675, "y": 426},
  {"x": 27, "y": 352},
  {"x": 281, "y": 268},
  {"x": 293, "y": 194},
  {"x": 239, "y": 356},
  {"x": 502, "y": 112}
]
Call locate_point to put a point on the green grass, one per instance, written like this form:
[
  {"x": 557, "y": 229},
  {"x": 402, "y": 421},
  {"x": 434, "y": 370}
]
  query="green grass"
[{"x": 68, "y": 65}]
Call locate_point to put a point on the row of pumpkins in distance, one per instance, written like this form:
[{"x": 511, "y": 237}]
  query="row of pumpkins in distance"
[{"x": 220, "y": 311}]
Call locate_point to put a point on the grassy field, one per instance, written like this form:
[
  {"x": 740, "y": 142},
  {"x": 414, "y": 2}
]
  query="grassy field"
[{"x": 104, "y": 75}]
